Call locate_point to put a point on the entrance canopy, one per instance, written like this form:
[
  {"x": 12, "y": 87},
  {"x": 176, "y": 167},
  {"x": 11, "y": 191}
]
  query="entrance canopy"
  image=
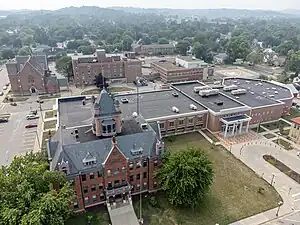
[
  {"x": 235, "y": 119},
  {"x": 235, "y": 125}
]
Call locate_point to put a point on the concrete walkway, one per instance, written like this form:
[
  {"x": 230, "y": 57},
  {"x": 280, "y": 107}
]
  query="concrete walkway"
[{"x": 252, "y": 155}]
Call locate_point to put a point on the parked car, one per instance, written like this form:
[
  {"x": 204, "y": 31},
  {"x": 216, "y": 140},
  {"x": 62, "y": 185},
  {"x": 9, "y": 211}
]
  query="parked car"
[
  {"x": 7, "y": 84},
  {"x": 3, "y": 120},
  {"x": 33, "y": 112},
  {"x": 32, "y": 117},
  {"x": 298, "y": 154},
  {"x": 40, "y": 101},
  {"x": 13, "y": 104},
  {"x": 30, "y": 125},
  {"x": 4, "y": 88},
  {"x": 1, "y": 93}
]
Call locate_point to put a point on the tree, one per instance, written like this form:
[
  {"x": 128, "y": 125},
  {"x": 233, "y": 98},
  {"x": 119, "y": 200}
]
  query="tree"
[
  {"x": 154, "y": 38},
  {"x": 186, "y": 176},
  {"x": 127, "y": 41},
  {"x": 101, "y": 81},
  {"x": 7, "y": 53},
  {"x": 75, "y": 44},
  {"x": 255, "y": 57},
  {"x": 202, "y": 52},
  {"x": 26, "y": 50},
  {"x": 182, "y": 47},
  {"x": 263, "y": 77},
  {"x": 163, "y": 41},
  {"x": 64, "y": 66},
  {"x": 86, "y": 50},
  {"x": 293, "y": 62},
  {"x": 27, "y": 40},
  {"x": 17, "y": 43},
  {"x": 28, "y": 195}
]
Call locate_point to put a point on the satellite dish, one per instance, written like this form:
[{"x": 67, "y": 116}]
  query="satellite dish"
[{"x": 134, "y": 114}]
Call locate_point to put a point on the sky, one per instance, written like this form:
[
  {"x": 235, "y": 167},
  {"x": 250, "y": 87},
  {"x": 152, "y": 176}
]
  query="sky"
[{"x": 177, "y": 4}]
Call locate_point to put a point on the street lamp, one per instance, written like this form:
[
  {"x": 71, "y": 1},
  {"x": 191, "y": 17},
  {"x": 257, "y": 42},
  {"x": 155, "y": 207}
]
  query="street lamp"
[
  {"x": 279, "y": 205},
  {"x": 273, "y": 176}
]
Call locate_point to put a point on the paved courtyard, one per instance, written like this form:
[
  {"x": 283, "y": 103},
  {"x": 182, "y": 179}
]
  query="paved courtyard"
[{"x": 235, "y": 72}]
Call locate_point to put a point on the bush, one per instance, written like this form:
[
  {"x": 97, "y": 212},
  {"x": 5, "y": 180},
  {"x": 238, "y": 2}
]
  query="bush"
[{"x": 153, "y": 202}]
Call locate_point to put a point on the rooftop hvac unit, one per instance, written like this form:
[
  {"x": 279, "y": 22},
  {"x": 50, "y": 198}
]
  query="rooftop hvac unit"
[
  {"x": 276, "y": 92},
  {"x": 264, "y": 93},
  {"x": 218, "y": 102},
  {"x": 235, "y": 81},
  {"x": 175, "y": 109},
  {"x": 230, "y": 88},
  {"x": 260, "y": 84},
  {"x": 247, "y": 81},
  {"x": 193, "y": 107},
  {"x": 217, "y": 82},
  {"x": 271, "y": 96},
  {"x": 144, "y": 126},
  {"x": 239, "y": 92},
  {"x": 199, "y": 88},
  {"x": 216, "y": 86},
  {"x": 274, "y": 88},
  {"x": 205, "y": 93}
]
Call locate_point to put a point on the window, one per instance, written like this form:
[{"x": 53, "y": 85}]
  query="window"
[
  {"x": 138, "y": 187},
  {"x": 138, "y": 176},
  {"x": 155, "y": 163},
  {"x": 123, "y": 169},
  {"x": 108, "y": 173},
  {"x": 180, "y": 122},
  {"x": 94, "y": 198},
  {"x": 116, "y": 171},
  {"x": 109, "y": 185},
  {"x": 131, "y": 178},
  {"x": 75, "y": 205},
  {"x": 145, "y": 185},
  {"x": 99, "y": 174},
  {"x": 171, "y": 124},
  {"x": 83, "y": 177},
  {"x": 92, "y": 176},
  {"x": 191, "y": 120},
  {"x": 145, "y": 163},
  {"x": 131, "y": 166},
  {"x": 86, "y": 200},
  {"x": 93, "y": 188},
  {"x": 155, "y": 184},
  {"x": 162, "y": 125},
  {"x": 138, "y": 165},
  {"x": 116, "y": 183},
  {"x": 145, "y": 175},
  {"x": 123, "y": 181},
  {"x": 85, "y": 190},
  {"x": 100, "y": 186}
]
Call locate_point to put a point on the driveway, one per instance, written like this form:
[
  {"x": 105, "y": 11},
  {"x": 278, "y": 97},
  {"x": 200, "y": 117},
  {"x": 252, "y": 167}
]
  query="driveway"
[{"x": 251, "y": 154}]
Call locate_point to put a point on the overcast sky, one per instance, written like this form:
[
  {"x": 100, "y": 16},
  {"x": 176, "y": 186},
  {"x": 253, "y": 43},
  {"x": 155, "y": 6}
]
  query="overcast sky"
[{"x": 246, "y": 4}]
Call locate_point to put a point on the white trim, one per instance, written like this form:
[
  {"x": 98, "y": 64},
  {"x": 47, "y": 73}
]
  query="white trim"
[
  {"x": 266, "y": 106},
  {"x": 114, "y": 145},
  {"x": 176, "y": 116}
]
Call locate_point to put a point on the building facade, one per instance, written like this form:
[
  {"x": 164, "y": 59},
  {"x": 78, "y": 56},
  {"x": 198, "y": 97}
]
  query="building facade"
[
  {"x": 122, "y": 68},
  {"x": 30, "y": 75},
  {"x": 154, "y": 49},
  {"x": 295, "y": 130}
]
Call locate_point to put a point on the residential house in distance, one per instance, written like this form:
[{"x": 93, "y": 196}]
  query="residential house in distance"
[
  {"x": 220, "y": 58},
  {"x": 115, "y": 67},
  {"x": 185, "y": 68},
  {"x": 154, "y": 49},
  {"x": 30, "y": 75},
  {"x": 295, "y": 130}
]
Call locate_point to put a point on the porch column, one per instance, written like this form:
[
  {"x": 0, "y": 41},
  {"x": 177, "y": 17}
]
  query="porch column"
[
  {"x": 233, "y": 129},
  {"x": 247, "y": 128},
  {"x": 241, "y": 125},
  {"x": 226, "y": 130}
]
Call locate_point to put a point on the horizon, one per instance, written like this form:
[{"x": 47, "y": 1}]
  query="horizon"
[{"x": 269, "y": 5}]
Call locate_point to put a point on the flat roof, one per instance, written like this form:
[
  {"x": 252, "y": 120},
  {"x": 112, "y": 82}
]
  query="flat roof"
[
  {"x": 259, "y": 92},
  {"x": 190, "y": 59},
  {"x": 72, "y": 113},
  {"x": 209, "y": 102},
  {"x": 168, "y": 65},
  {"x": 157, "y": 104}
]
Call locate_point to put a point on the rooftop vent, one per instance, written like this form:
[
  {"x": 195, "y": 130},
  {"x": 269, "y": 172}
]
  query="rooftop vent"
[
  {"x": 274, "y": 88},
  {"x": 124, "y": 100},
  {"x": 134, "y": 114},
  {"x": 193, "y": 107},
  {"x": 199, "y": 88},
  {"x": 206, "y": 93},
  {"x": 239, "y": 92},
  {"x": 271, "y": 96},
  {"x": 235, "y": 81},
  {"x": 144, "y": 126},
  {"x": 260, "y": 84},
  {"x": 230, "y": 87},
  {"x": 249, "y": 88},
  {"x": 83, "y": 102},
  {"x": 248, "y": 82},
  {"x": 217, "y": 82},
  {"x": 76, "y": 131},
  {"x": 252, "y": 92},
  {"x": 136, "y": 151},
  {"x": 175, "y": 94},
  {"x": 218, "y": 102},
  {"x": 175, "y": 109},
  {"x": 264, "y": 93},
  {"x": 76, "y": 136},
  {"x": 268, "y": 88},
  {"x": 237, "y": 97},
  {"x": 276, "y": 92}
]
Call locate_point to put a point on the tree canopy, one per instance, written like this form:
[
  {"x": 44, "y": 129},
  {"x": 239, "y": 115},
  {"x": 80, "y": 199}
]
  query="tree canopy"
[
  {"x": 64, "y": 66},
  {"x": 28, "y": 195},
  {"x": 186, "y": 176}
]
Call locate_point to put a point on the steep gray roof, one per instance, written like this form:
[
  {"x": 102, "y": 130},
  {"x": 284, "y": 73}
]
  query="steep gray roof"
[
  {"x": 105, "y": 103},
  {"x": 101, "y": 148},
  {"x": 36, "y": 64}
]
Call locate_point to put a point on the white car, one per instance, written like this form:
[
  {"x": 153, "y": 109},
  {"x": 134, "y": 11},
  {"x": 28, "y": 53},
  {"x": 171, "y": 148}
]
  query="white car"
[
  {"x": 32, "y": 117},
  {"x": 4, "y": 88},
  {"x": 1, "y": 93}
]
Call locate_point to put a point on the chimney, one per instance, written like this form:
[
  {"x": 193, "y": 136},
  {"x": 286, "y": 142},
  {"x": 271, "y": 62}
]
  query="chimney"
[{"x": 114, "y": 140}]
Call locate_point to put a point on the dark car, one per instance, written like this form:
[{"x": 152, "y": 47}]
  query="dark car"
[
  {"x": 40, "y": 101},
  {"x": 30, "y": 125},
  {"x": 3, "y": 120},
  {"x": 13, "y": 104}
]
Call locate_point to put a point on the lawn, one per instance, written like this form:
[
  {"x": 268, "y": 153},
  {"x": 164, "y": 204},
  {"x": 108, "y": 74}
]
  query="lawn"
[
  {"x": 234, "y": 194},
  {"x": 286, "y": 145},
  {"x": 46, "y": 135},
  {"x": 51, "y": 124},
  {"x": 110, "y": 89},
  {"x": 100, "y": 217},
  {"x": 269, "y": 136},
  {"x": 50, "y": 114},
  {"x": 293, "y": 113},
  {"x": 275, "y": 125}
]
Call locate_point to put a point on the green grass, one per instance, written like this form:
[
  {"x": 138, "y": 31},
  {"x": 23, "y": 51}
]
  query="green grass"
[
  {"x": 286, "y": 145},
  {"x": 46, "y": 136},
  {"x": 293, "y": 113},
  {"x": 51, "y": 124},
  {"x": 111, "y": 89},
  {"x": 269, "y": 136},
  {"x": 275, "y": 125},
  {"x": 233, "y": 196},
  {"x": 97, "y": 218}
]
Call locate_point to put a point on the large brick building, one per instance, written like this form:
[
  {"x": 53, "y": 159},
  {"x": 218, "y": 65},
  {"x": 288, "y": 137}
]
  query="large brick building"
[
  {"x": 110, "y": 146},
  {"x": 154, "y": 49},
  {"x": 116, "y": 67},
  {"x": 30, "y": 75}
]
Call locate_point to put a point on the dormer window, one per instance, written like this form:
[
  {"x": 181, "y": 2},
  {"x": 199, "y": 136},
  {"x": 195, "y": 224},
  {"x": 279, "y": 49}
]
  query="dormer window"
[{"x": 89, "y": 160}]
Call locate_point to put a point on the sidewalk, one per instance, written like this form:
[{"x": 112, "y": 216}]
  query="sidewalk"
[{"x": 252, "y": 156}]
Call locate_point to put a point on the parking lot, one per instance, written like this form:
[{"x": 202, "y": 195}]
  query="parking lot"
[{"x": 15, "y": 138}]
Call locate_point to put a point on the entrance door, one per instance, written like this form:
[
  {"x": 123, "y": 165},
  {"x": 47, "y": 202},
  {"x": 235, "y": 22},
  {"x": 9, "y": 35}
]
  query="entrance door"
[{"x": 32, "y": 90}]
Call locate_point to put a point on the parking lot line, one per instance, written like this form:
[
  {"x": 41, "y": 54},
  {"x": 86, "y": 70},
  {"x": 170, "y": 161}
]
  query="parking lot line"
[{"x": 29, "y": 134}]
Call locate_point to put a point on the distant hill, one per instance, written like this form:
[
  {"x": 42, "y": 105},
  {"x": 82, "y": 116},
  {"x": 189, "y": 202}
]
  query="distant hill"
[
  {"x": 209, "y": 13},
  {"x": 291, "y": 11}
]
